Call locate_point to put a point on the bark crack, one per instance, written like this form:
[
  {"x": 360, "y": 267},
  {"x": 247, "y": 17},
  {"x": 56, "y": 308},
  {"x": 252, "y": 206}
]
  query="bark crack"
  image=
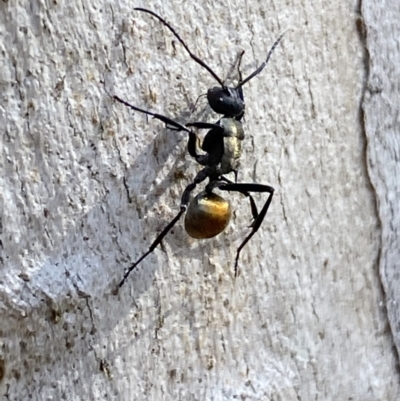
[{"x": 366, "y": 93}]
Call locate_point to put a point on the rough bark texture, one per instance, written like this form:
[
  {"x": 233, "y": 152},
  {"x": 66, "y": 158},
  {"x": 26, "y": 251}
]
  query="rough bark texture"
[
  {"x": 381, "y": 120},
  {"x": 86, "y": 184}
]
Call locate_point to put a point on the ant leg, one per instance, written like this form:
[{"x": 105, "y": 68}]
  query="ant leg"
[
  {"x": 258, "y": 221},
  {"x": 193, "y": 56},
  {"x": 152, "y": 246},
  {"x": 253, "y": 205},
  {"x": 194, "y": 145},
  {"x": 202, "y": 125},
  {"x": 201, "y": 176},
  {"x": 169, "y": 123},
  {"x": 262, "y": 66},
  {"x": 213, "y": 151}
]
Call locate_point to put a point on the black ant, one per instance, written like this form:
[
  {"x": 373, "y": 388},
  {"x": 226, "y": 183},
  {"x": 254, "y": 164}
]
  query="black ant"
[{"x": 208, "y": 214}]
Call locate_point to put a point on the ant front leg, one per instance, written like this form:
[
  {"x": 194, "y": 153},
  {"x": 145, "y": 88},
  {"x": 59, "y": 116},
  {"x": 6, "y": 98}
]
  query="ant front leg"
[
  {"x": 245, "y": 189},
  {"x": 169, "y": 122},
  {"x": 201, "y": 176},
  {"x": 213, "y": 152}
]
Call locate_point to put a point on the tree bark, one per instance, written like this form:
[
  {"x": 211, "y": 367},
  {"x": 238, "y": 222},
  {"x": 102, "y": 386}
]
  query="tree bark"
[{"x": 87, "y": 184}]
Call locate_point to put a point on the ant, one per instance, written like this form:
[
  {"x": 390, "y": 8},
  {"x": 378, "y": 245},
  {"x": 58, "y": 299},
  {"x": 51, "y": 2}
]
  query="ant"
[{"x": 208, "y": 214}]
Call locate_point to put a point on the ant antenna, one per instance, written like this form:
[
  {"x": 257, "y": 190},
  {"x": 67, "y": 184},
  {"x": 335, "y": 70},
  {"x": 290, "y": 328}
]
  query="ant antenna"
[
  {"x": 193, "y": 56},
  {"x": 240, "y": 58},
  {"x": 197, "y": 101},
  {"x": 262, "y": 66}
]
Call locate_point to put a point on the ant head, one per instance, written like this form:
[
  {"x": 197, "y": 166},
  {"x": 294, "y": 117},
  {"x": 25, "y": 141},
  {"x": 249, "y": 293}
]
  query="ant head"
[
  {"x": 226, "y": 101},
  {"x": 223, "y": 100}
]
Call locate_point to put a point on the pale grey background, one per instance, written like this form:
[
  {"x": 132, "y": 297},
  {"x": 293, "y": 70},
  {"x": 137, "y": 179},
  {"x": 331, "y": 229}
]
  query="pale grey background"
[{"x": 86, "y": 184}]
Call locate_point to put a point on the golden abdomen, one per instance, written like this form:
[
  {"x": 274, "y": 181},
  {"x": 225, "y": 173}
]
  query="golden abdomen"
[{"x": 207, "y": 216}]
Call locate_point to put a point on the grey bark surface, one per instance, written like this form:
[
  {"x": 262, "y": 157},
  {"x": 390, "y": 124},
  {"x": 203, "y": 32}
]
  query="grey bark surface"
[
  {"x": 382, "y": 128},
  {"x": 86, "y": 185}
]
